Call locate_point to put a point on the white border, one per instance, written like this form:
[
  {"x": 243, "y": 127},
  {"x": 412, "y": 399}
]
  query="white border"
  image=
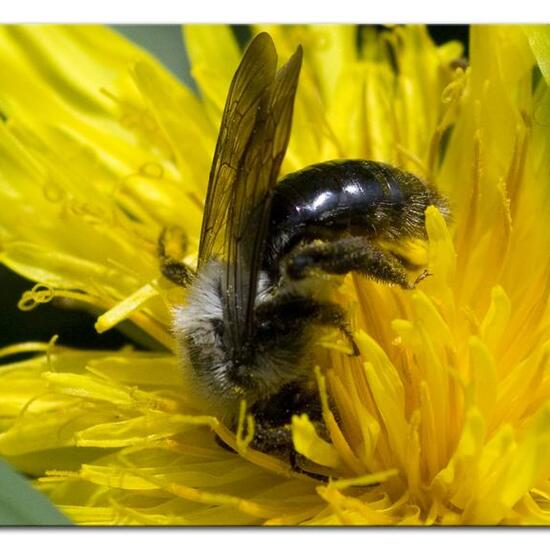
[
  {"x": 272, "y": 538},
  {"x": 284, "y": 11}
]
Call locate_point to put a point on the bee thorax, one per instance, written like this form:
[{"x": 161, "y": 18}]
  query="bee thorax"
[{"x": 220, "y": 374}]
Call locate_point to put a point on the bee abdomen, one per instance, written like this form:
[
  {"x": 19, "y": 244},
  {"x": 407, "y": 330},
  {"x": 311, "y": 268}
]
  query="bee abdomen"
[{"x": 348, "y": 197}]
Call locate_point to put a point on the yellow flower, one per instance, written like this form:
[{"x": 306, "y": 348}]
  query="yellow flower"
[{"x": 444, "y": 418}]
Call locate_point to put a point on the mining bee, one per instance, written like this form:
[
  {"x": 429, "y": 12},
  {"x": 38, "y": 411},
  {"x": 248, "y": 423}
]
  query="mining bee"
[{"x": 269, "y": 253}]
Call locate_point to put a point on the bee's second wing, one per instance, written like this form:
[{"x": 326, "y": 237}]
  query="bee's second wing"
[
  {"x": 251, "y": 81},
  {"x": 250, "y": 204}
]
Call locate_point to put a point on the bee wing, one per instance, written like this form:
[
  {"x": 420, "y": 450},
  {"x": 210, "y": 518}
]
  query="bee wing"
[
  {"x": 251, "y": 80},
  {"x": 250, "y": 204}
]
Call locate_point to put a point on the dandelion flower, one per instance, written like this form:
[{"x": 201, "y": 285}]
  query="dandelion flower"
[{"x": 443, "y": 419}]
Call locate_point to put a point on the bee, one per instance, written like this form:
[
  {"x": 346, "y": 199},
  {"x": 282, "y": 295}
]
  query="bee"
[{"x": 270, "y": 251}]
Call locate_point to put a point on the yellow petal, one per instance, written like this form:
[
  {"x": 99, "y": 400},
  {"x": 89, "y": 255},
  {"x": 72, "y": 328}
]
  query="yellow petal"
[{"x": 308, "y": 443}]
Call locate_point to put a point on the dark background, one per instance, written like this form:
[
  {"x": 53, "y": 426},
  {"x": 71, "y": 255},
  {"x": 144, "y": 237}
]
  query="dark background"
[{"x": 76, "y": 328}]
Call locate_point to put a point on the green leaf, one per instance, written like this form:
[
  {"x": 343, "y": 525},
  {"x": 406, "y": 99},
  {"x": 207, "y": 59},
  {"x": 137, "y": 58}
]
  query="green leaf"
[
  {"x": 539, "y": 40},
  {"x": 20, "y": 504}
]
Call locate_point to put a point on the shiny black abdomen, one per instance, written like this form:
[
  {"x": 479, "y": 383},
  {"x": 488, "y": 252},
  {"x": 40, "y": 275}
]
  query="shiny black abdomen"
[{"x": 346, "y": 197}]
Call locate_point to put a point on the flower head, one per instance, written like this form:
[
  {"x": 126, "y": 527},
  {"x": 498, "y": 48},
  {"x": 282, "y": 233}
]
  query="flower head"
[{"x": 444, "y": 416}]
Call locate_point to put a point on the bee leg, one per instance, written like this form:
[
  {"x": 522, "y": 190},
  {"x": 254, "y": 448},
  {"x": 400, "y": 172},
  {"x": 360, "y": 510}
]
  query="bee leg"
[
  {"x": 272, "y": 419},
  {"x": 176, "y": 272},
  {"x": 273, "y": 415},
  {"x": 422, "y": 276},
  {"x": 172, "y": 269},
  {"x": 271, "y": 439},
  {"x": 291, "y": 312},
  {"x": 346, "y": 255},
  {"x": 277, "y": 440}
]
